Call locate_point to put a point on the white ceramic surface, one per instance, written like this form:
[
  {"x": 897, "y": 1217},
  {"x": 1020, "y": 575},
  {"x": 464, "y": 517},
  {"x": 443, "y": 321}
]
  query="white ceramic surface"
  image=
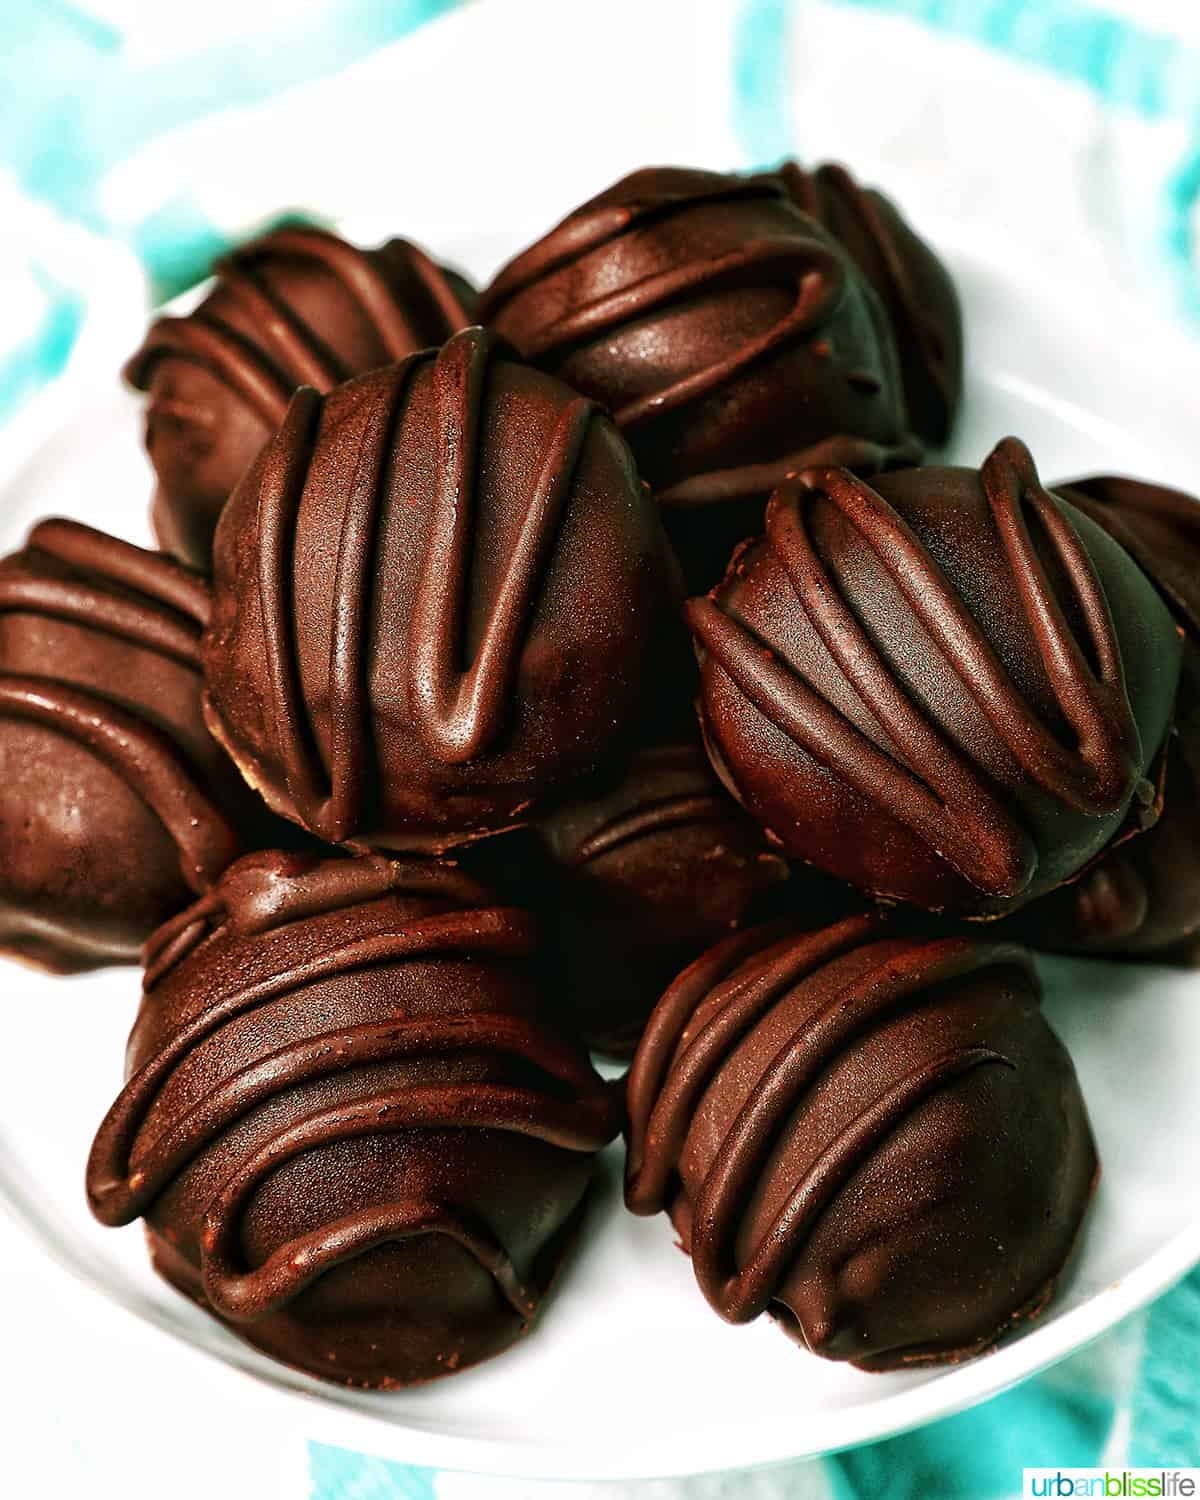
[{"x": 629, "y": 1373}]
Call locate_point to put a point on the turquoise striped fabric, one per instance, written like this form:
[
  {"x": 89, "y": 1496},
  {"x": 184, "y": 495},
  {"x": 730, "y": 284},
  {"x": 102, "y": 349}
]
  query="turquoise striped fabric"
[
  {"x": 1124, "y": 65},
  {"x": 64, "y": 126},
  {"x": 44, "y": 353}
]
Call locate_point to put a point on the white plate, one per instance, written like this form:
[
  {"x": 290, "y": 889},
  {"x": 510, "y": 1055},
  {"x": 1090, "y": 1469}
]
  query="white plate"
[{"x": 629, "y": 1374}]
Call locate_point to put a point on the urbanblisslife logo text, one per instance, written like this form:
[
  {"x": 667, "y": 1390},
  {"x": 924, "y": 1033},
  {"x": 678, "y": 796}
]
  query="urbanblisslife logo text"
[{"x": 1113, "y": 1484}]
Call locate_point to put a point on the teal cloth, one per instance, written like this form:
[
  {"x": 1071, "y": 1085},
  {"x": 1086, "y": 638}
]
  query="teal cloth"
[
  {"x": 1123, "y": 65},
  {"x": 73, "y": 104}
]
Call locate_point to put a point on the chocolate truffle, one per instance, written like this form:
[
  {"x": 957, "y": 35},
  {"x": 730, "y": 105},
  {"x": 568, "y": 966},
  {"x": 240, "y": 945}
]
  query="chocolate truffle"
[
  {"x": 877, "y": 1139},
  {"x": 730, "y": 337},
  {"x": 646, "y": 874},
  {"x": 1157, "y": 526},
  {"x": 949, "y": 689},
  {"x": 297, "y": 307},
  {"x": 913, "y": 285},
  {"x": 351, "y": 1135},
  {"x": 1143, "y": 898},
  {"x": 440, "y": 594},
  {"x": 115, "y": 803}
]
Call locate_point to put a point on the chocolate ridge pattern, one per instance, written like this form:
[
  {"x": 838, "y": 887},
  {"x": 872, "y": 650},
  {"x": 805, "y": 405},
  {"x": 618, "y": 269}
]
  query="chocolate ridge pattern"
[
  {"x": 458, "y": 712},
  {"x": 546, "y": 1112},
  {"x": 169, "y": 610},
  {"x": 803, "y": 188},
  {"x": 654, "y": 815},
  {"x": 645, "y": 819},
  {"x": 287, "y": 353},
  {"x": 863, "y": 455},
  {"x": 589, "y": 227},
  {"x": 748, "y": 975},
  {"x": 819, "y": 273},
  {"x": 265, "y": 892},
  {"x": 173, "y": 604},
  {"x": 146, "y": 760},
  {"x": 1125, "y": 508},
  {"x": 949, "y": 803},
  {"x": 819, "y": 277}
]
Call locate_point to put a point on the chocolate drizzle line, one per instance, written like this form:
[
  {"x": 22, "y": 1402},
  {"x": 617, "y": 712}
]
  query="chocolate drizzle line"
[
  {"x": 284, "y": 353},
  {"x": 817, "y": 273},
  {"x": 1123, "y": 507},
  {"x": 819, "y": 276},
  {"x": 144, "y": 758},
  {"x": 949, "y": 802},
  {"x": 458, "y": 713},
  {"x": 572, "y": 1126},
  {"x": 646, "y": 819},
  {"x": 171, "y": 609},
  {"x": 843, "y": 451},
  {"x": 149, "y": 601},
  {"x": 238, "y": 363},
  {"x": 666, "y": 786},
  {"x": 397, "y": 329},
  {"x": 804, "y": 189},
  {"x": 265, "y": 892},
  {"x": 331, "y": 807},
  {"x": 594, "y": 225},
  {"x": 119, "y": 1194},
  {"x": 674, "y": 1069}
]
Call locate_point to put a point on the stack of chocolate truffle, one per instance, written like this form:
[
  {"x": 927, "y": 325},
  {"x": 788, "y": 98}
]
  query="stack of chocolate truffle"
[{"x": 591, "y": 663}]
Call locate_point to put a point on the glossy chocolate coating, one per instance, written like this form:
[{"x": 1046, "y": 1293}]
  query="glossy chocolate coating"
[
  {"x": 949, "y": 689},
  {"x": 877, "y": 1139},
  {"x": 1157, "y": 526},
  {"x": 299, "y": 306},
  {"x": 647, "y": 873},
  {"x": 351, "y": 1135},
  {"x": 730, "y": 337},
  {"x": 912, "y": 283},
  {"x": 116, "y": 806},
  {"x": 439, "y": 596},
  {"x": 1143, "y": 898}
]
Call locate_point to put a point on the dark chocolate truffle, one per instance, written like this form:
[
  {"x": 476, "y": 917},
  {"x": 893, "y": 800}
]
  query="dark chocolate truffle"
[
  {"x": 297, "y": 307},
  {"x": 730, "y": 337},
  {"x": 440, "y": 595},
  {"x": 1143, "y": 898},
  {"x": 115, "y": 803},
  {"x": 913, "y": 285},
  {"x": 1157, "y": 526},
  {"x": 949, "y": 689},
  {"x": 351, "y": 1135},
  {"x": 646, "y": 874},
  {"x": 877, "y": 1139}
]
